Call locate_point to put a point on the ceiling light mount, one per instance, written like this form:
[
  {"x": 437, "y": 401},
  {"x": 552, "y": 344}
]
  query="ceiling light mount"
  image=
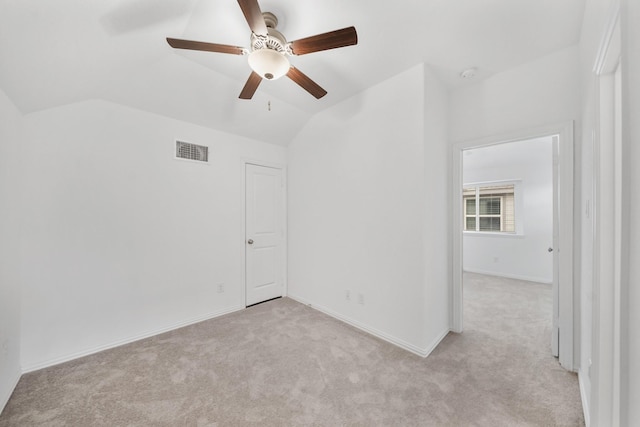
[
  {"x": 468, "y": 73},
  {"x": 270, "y": 20}
]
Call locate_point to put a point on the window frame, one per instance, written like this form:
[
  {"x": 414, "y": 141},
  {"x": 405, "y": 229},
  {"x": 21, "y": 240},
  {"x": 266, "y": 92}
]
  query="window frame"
[{"x": 518, "y": 209}]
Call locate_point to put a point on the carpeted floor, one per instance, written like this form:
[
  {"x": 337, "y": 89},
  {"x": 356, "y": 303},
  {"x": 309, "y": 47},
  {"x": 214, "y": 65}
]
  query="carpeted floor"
[{"x": 284, "y": 364}]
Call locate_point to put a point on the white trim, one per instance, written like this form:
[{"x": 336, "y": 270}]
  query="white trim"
[
  {"x": 273, "y": 165},
  {"x": 243, "y": 231},
  {"x": 566, "y": 287},
  {"x": 606, "y": 391},
  {"x": 118, "y": 343},
  {"x": 509, "y": 276},
  {"x": 493, "y": 183},
  {"x": 582, "y": 378},
  {"x": 501, "y": 234},
  {"x": 566, "y": 221},
  {"x": 457, "y": 313},
  {"x": 285, "y": 239},
  {"x": 609, "y": 45},
  {"x": 422, "y": 352},
  {"x": 285, "y": 227},
  {"x": 13, "y": 383}
]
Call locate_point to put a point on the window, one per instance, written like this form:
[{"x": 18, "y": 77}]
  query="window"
[{"x": 489, "y": 208}]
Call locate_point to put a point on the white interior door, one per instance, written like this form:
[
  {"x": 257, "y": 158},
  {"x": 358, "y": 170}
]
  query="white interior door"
[{"x": 264, "y": 233}]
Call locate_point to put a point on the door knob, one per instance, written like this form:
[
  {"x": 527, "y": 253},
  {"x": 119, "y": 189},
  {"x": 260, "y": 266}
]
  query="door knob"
[
  {"x": 250, "y": 241},
  {"x": 550, "y": 250}
]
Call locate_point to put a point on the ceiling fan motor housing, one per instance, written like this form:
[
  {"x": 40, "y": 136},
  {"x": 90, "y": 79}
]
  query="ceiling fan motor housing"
[{"x": 275, "y": 40}]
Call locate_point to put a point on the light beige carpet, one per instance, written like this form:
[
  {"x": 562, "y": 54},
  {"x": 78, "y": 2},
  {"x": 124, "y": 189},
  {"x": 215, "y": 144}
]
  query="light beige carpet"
[{"x": 284, "y": 364}]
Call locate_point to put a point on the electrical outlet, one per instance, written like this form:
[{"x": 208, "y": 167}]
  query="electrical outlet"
[
  {"x": 347, "y": 295},
  {"x": 496, "y": 259},
  {"x": 220, "y": 288},
  {"x": 361, "y": 299}
]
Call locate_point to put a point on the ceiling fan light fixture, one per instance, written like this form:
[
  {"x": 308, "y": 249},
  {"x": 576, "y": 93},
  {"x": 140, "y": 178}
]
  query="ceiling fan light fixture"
[
  {"x": 269, "y": 50},
  {"x": 268, "y": 63}
]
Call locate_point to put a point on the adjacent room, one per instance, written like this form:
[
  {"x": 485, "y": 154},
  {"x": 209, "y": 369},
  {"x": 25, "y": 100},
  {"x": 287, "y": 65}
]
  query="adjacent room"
[
  {"x": 508, "y": 241},
  {"x": 221, "y": 212}
]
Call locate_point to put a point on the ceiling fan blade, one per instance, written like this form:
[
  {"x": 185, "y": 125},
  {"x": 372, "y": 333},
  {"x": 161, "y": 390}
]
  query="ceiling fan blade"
[
  {"x": 250, "y": 86},
  {"x": 306, "y": 83},
  {"x": 203, "y": 46},
  {"x": 253, "y": 15},
  {"x": 331, "y": 40}
]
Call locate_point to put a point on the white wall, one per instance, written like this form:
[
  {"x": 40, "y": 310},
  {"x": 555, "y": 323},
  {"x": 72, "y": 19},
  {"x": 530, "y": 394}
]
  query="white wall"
[
  {"x": 357, "y": 192},
  {"x": 586, "y": 249},
  {"x": 596, "y": 18},
  {"x": 598, "y": 14},
  {"x": 122, "y": 240},
  {"x": 631, "y": 136},
  {"x": 437, "y": 239},
  {"x": 10, "y": 141},
  {"x": 542, "y": 92},
  {"x": 522, "y": 255}
]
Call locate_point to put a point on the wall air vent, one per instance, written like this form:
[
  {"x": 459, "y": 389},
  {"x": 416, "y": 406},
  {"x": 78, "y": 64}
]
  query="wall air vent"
[{"x": 185, "y": 150}]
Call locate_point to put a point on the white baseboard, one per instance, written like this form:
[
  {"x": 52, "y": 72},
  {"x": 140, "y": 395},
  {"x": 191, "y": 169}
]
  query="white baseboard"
[
  {"x": 436, "y": 342},
  {"x": 55, "y": 361},
  {"x": 583, "y": 396},
  {"x": 4, "y": 399},
  {"x": 422, "y": 352},
  {"x": 508, "y": 276}
]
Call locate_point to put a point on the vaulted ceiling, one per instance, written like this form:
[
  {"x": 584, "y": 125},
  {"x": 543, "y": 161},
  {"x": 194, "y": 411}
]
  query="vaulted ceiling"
[{"x": 58, "y": 52}]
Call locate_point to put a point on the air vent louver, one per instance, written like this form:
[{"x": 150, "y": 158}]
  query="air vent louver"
[{"x": 185, "y": 150}]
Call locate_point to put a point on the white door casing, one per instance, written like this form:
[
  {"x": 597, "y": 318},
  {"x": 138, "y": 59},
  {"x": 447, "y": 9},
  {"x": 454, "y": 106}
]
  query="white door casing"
[
  {"x": 563, "y": 248},
  {"x": 555, "y": 331},
  {"x": 264, "y": 233}
]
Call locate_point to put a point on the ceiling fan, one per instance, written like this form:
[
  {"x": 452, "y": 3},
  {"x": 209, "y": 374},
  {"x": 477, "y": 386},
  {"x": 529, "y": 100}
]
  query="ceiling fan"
[{"x": 269, "y": 49}]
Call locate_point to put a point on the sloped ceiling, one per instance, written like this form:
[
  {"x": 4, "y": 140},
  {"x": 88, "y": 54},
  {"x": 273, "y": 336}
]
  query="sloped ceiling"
[{"x": 58, "y": 52}]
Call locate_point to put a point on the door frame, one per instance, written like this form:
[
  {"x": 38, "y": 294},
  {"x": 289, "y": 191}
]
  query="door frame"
[
  {"x": 243, "y": 231},
  {"x": 564, "y": 252}
]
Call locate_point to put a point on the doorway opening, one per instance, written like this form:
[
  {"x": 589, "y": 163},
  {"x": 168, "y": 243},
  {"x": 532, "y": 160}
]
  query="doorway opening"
[
  {"x": 512, "y": 226},
  {"x": 508, "y": 240}
]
